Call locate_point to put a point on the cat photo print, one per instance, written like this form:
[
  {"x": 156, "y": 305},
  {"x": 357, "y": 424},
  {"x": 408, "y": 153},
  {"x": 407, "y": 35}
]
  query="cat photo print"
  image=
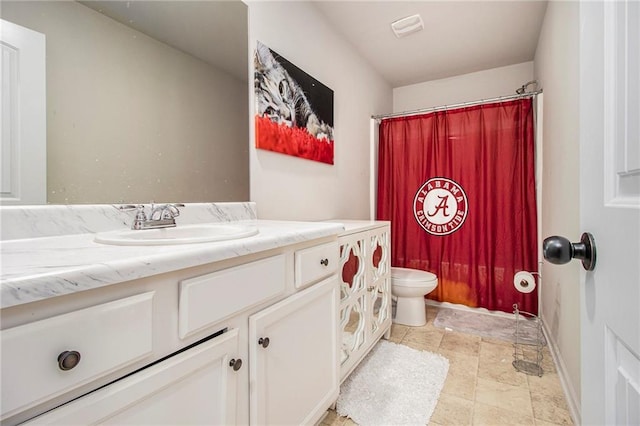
[{"x": 294, "y": 111}]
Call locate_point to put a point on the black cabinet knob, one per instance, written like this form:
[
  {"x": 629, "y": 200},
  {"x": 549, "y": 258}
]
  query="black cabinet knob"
[
  {"x": 264, "y": 342},
  {"x": 324, "y": 262},
  {"x": 236, "y": 364},
  {"x": 68, "y": 360}
]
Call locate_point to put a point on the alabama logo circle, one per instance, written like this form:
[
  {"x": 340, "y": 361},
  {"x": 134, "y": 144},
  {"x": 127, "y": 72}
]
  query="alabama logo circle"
[{"x": 440, "y": 206}]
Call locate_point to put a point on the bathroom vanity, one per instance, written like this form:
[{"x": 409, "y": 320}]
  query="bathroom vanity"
[
  {"x": 243, "y": 331},
  {"x": 212, "y": 333}
]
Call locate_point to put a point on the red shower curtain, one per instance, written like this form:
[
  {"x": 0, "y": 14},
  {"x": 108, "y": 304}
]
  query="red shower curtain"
[{"x": 459, "y": 189}]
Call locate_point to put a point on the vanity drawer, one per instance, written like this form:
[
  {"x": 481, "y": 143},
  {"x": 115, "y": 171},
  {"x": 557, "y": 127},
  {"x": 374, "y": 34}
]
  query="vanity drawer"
[
  {"x": 210, "y": 298},
  {"x": 106, "y": 337},
  {"x": 316, "y": 262}
]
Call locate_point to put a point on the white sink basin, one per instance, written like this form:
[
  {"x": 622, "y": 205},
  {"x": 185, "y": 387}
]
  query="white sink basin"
[{"x": 181, "y": 234}]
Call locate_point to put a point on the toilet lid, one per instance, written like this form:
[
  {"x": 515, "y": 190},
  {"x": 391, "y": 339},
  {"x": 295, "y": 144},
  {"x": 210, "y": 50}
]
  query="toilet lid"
[{"x": 409, "y": 277}]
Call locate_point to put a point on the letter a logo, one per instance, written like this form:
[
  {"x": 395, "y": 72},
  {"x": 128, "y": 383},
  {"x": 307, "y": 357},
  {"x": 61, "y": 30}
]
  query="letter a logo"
[{"x": 441, "y": 206}]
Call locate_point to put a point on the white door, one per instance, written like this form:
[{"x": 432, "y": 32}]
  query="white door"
[
  {"x": 23, "y": 132},
  {"x": 610, "y": 210}
]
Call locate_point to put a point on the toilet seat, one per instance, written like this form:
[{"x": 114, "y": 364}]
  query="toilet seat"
[{"x": 406, "y": 277}]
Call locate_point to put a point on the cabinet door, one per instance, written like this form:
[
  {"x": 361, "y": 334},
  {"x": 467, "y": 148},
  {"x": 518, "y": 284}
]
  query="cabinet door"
[
  {"x": 197, "y": 386},
  {"x": 294, "y": 374}
]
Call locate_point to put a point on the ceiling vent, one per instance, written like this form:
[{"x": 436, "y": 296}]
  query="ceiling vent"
[{"x": 409, "y": 25}]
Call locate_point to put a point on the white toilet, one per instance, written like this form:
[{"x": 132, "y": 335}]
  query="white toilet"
[{"x": 410, "y": 286}]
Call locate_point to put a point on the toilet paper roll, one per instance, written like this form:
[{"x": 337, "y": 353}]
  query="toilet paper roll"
[{"x": 524, "y": 282}]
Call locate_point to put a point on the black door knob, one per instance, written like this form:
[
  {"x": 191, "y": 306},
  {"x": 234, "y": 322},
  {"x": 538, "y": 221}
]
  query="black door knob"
[
  {"x": 264, "y": 342},
  {"x": 559, "y": 250}
]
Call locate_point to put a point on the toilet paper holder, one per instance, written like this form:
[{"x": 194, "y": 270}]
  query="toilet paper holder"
[{"x": 559, "y": 250}]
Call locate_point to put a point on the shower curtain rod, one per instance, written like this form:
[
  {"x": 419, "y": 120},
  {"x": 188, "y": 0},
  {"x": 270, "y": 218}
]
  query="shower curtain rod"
[{"x": 453, "y": 106}]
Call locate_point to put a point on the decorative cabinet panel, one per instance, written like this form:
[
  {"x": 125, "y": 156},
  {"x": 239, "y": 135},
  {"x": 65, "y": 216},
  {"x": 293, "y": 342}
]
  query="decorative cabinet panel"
[{"x": 365, "y": 290}]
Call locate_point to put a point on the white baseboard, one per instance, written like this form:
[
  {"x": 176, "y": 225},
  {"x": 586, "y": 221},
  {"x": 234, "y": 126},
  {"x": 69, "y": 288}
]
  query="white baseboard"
[{"x": 569, "y": 391}]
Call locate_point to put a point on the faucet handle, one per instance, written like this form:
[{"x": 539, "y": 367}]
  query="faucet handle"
[
  {"x": 171, "y": 211},
  {"x": 175, "y": 206},
  {"x": 141, "y": 216},
  {"x": 167, "y": 211},
  {"x": 140, "y": 219}
]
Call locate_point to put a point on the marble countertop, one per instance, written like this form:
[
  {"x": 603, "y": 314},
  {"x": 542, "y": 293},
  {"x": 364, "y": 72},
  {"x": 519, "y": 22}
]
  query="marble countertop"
[{"x": 34, "y": 269}]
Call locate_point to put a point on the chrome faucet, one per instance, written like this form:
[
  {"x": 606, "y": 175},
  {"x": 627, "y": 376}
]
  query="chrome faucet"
[{"x": 160, "y": 216}]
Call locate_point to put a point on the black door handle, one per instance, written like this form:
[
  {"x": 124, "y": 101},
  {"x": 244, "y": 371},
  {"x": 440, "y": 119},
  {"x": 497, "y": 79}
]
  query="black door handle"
[{"x": 559, "y": 250}]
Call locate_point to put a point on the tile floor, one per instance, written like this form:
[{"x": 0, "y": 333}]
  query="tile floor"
[{"x": 482, "y": 387}]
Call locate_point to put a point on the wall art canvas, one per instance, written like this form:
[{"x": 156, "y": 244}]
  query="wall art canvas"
[{"x": 294, "y": 111}]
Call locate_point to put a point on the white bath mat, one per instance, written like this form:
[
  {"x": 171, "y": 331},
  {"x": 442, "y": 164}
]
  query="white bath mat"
[{"x": 394, "y": 384}]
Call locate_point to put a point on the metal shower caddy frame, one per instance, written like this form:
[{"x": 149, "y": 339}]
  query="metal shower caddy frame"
[{"x": 527, "y": 353}]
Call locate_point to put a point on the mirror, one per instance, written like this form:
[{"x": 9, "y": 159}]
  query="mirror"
[{"x": 146, "y": 100}]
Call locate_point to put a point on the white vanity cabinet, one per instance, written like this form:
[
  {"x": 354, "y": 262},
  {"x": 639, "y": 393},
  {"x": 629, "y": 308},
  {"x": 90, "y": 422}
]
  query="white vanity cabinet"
[
  {"x": 192, "y": 350},
  {"x": 365, "y": 289}
]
